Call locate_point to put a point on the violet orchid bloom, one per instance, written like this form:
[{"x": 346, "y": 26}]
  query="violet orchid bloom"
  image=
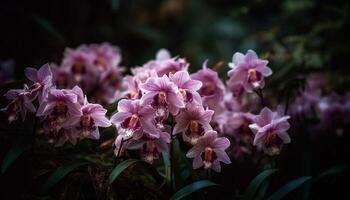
[
  {"x": 164, "y": 64},
  {"x": 80, "y": 63},
  {"x": 150, "y": 148},
  {"x": 212, "y": 90},
  {"x": 20, "y": 104},
  {"x": 270, "y": 131},
  {"x": 61, "y": 77},
  {"x": 162, "y": 94},
  {"x": 105, "y": 56},
  {"x": 142, "y": 74},
  {"x": 42, "y": 79},
  {"x": 132, "y": 88},
  {"x": 193, "y": 122},
  {"x": 210, "y": 151},
  {"x": 133, "y": 119},
  {"x": 60, "y": 107},
  {"x": 61, "y": 137},
  {"x": 186, "y": 86},
  {"x": 248, "y": 71},
  {"x": 93, "y": 116}
]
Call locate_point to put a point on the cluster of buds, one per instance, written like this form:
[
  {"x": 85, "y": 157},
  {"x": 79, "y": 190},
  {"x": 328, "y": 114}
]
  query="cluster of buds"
[{"x": 160, "y": 100}]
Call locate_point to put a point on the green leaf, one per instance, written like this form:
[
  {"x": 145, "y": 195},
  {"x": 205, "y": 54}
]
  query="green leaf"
[
  {"x": 13, "y": 154},
  {"x": 61, "y": 172},
  {"x": 332, "y": 171},
  {"x": 189, "y": 189},
  {"x": 127, "y": 163},
  {"x": 257, "y": 182},
  {"x": 292, "y": 185}
]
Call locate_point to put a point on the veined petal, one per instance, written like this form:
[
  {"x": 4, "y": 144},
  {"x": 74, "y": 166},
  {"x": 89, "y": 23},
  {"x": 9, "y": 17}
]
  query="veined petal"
[
  {"x": 194, "y": 151},
  {"x": 197, "y": 162},
  {"x": 119, "y": 117},
  {"x": 284, "y": 137},
  {"x": 221, "y": 143},
  {"x": 31, "y": 74},
  {"x": 222, "y": 156}
]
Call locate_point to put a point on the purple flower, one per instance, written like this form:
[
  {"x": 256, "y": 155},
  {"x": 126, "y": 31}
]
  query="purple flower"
[
  {"x": 132, "y": 119},
  {"x": 61, "y": 77},
  {"x": 80, "y": 64},
  {"x": 20, "y": 104},
  {"x": 248, "y": 71},
  {"x": 141, "y": 74},
  {"x": 193, "y": 122},
  {"x": 133, "y": 91},
  {"x": 162, "y": 93},
  {"x": 186, "y": 86},
  {"x": 210, "y": 151},
  {"x": 93, "y": 116},
  {"x": 42, "y": 79},
  {"x": 105, "y": 56},
  {"x": 59, "y": 108},
  {"x": 150, "y": 147},
  {"x": 164, "y": 64},
  {"x": 270, "y": 131},
  {"x": 212, "y": 90}
]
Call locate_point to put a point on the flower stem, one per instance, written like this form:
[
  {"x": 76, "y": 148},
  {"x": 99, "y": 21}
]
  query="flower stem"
[{"x": 259, "y": 92}]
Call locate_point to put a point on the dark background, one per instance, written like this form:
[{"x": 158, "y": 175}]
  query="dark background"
[{"x": 297, "y": 37}]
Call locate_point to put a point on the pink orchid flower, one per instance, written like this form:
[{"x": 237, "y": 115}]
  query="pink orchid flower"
[
  {"x": 212, "y": 90},
  {"x": 42, "y": 79},
  {"x": 162, "y": 94},
  {"x": 270, "y": 131},
  {"x": 210, "y": 151},
  {"x": 186, "y": 86},
  {"x": 93, "y": 116},
  {"x": 20, "y": 104},
  {"x": 132, "y": 119},
  {"x": 193, "y": 122},
  {"x": 248, "y": 71}
]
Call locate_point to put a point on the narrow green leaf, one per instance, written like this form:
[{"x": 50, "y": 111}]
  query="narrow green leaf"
[
  {"x": 256, "y": 183},
  {"x": 127, "y": 163},
  {"x": 193, "y": 187},
  {"x": 292, "y": 185},
  {"x": 332, "y": 171},
  {"x": 61, "y": 172},
  {"x": 13, "y": 154},
  {"x": 166, "y": 165}
]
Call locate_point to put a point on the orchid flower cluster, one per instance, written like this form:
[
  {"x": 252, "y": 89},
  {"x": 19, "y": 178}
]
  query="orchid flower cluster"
[
  {"x": 330, "y": 109},
  {"x": 158, "y": 101}
]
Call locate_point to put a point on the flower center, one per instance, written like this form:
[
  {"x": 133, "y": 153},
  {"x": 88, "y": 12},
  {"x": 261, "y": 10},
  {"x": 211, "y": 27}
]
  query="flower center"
[
  {"x": 273, "y": 143},
  {"x": 131, "y": 124},
  {"x": 208, "y": 88},
  {"x": 162, "y": 97},
  {"x": 61, "y": 81},
  {"x": 61, "y": 108},
  {"x": 78, "y": 67},
  {"x": 253, "y": 76},
  {"x": 208, "y": 157},
  {"x": 149, "y": 151},
  {"x": 194, "y": 131},
  {"x": 36, "y": 86},
  {"x": 100, "y": 62},
  {"x": 113, "y": 80}
]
